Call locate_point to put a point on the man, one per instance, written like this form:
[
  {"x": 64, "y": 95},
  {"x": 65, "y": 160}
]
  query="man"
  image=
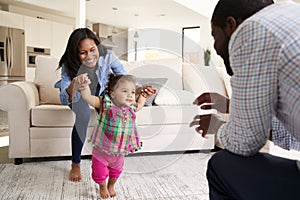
[{"x": 261, "y": 42}]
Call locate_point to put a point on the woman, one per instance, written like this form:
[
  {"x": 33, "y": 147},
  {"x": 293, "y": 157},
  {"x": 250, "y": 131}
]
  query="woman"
[{"x": 83, "y": 54}]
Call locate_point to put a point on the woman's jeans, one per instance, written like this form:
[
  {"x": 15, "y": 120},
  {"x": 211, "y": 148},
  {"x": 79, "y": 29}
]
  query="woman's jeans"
[{"x": 82, "y": 117}]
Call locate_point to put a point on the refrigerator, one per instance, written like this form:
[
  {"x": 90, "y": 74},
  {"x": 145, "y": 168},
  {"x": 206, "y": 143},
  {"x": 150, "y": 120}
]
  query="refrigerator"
[{"x": 12, "y": 55}]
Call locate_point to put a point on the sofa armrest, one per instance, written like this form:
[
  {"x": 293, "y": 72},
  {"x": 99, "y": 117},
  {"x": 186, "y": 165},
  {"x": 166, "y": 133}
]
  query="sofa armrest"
[{"x": 17, "y": 100}]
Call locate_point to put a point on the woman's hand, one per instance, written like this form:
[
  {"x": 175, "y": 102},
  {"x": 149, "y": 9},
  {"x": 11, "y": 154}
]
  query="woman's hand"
[{"x": 81, "y": 81}]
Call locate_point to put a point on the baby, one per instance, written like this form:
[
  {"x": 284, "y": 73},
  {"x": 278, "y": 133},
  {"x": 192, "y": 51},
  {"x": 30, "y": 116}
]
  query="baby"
[{"x": 115, "y": 132}]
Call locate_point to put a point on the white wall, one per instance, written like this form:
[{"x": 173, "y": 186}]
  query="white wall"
[
  {"x": 162, "y": 41},
  {"x": 204, "y": 7},
  {"x": 166, "y": 43},
  {"x": 154, "y": 44}
]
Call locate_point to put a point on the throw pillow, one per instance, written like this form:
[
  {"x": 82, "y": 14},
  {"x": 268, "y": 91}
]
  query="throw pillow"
[
  {"x": 199, "y": 79},
  {"x": 45, "y": 77},
  {"x": 155, "y": 82}
]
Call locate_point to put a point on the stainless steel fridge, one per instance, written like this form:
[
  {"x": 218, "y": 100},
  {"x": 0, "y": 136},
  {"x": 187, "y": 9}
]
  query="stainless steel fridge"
[{"x": 12, "y": 55}]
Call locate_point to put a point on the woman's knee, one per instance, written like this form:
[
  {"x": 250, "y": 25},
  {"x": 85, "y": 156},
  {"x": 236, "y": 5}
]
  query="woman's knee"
[{"x": 82, "y": 111}]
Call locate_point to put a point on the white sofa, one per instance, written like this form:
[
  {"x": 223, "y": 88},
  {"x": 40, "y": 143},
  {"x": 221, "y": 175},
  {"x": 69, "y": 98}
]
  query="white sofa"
[{"x": 40, "y": 127}]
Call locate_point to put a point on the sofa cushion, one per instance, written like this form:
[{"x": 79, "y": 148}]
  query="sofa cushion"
[
  {"x": 162, "y": 68},
  {"x": 55, "y": 141},
  {"x": 167, "y": 114},
  {"x": 60, "y": 115},
  {"x": 45, "y": 77},
  {"x": 200, "y": 79},
  {"x": 168, "y": 96}
]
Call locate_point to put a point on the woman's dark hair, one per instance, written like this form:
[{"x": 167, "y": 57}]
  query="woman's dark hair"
[
  {"x": 239, "y": 9},
  {"x": 113, "y": 81},
  {"x": 70, "y": 57}
]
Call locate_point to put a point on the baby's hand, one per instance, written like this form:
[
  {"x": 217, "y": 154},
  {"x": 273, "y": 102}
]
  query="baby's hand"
[{"x": 148, "y": 91}]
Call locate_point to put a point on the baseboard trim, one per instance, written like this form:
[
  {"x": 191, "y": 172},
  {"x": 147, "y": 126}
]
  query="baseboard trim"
[{"x": 58, "y": 158}]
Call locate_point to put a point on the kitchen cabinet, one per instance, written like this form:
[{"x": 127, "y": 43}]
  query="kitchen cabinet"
[
  {"x": 38, "y": 32},
  {"x": 47, "y": 34},
  {"x": 11, "y": 20}
]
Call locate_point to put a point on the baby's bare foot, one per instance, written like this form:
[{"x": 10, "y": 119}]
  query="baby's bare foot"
[
  {"x": 104, "y": 193},
  {"x": 111, "y": 191},
  {"x": 75, "y": 174},
  {"x": 111, "y": 187}
]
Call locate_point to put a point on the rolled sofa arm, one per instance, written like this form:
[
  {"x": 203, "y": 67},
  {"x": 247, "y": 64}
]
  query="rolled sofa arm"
[{"x": 17, "y": 99}]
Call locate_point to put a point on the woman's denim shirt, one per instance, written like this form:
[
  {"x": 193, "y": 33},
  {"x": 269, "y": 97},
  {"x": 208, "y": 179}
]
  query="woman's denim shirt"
[{"x": 105, "y": 64}]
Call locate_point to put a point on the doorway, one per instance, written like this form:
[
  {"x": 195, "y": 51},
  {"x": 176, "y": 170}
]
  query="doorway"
[{"x": 191, "y": 49}]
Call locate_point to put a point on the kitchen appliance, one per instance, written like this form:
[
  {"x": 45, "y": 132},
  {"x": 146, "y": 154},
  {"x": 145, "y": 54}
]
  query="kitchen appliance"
[
  {"x": 12, "y": 55},
  {"x": 32, "y": 52}
]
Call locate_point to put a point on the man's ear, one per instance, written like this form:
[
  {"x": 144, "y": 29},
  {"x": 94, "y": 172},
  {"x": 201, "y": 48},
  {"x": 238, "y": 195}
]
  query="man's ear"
[{"x": 231, "y": 25}]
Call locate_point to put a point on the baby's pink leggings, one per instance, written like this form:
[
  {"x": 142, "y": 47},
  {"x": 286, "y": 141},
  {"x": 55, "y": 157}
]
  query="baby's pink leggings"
[{"x": 104, "y": 165}]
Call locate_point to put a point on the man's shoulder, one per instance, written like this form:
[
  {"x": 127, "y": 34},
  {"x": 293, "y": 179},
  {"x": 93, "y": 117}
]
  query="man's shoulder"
[{"x": 287, "y": 8}]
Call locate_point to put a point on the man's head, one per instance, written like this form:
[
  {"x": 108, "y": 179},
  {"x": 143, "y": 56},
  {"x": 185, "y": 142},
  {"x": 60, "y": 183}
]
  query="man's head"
[{"x": 227, "y": 16}]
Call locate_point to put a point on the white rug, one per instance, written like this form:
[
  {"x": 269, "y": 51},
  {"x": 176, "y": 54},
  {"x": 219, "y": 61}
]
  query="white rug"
[{"x": 162, "y": 177}]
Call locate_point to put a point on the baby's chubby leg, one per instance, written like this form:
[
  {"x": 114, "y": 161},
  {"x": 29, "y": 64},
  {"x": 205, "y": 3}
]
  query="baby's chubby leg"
[
  {"x": 115, "y": 169},
  {"x": 99, "y": 174}
]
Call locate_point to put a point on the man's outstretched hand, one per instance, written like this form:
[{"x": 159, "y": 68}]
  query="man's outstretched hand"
[
  {"x": 207, "y": 124},
  {"x": 211, "y": 100}
]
